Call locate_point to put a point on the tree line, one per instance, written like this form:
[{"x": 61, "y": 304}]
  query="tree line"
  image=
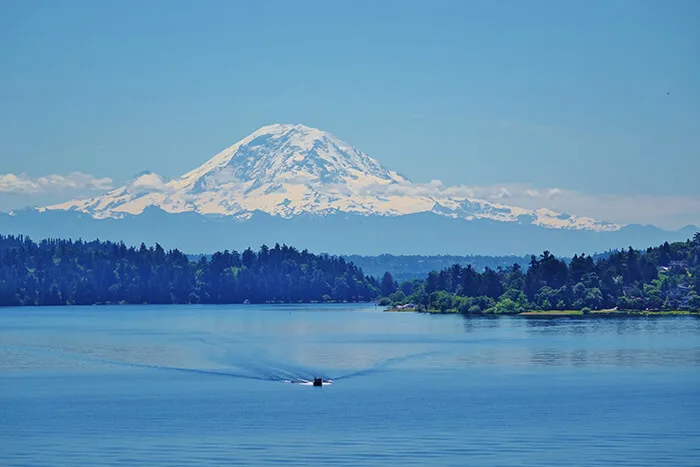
[
  {"x": 66, "y": 272},
  {"x": 663, "y": 278},
  {"x": 407, "y": 267}
]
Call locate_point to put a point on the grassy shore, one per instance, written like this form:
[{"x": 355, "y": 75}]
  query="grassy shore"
[{"x": 612, "y": 312}]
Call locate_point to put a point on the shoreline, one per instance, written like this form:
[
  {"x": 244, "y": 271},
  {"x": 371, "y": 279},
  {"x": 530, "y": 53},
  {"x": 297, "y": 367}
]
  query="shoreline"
[{"x": 561, "y": 313}]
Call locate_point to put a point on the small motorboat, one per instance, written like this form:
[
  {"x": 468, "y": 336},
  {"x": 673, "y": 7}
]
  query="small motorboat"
[{"x": 318, "y": 381}]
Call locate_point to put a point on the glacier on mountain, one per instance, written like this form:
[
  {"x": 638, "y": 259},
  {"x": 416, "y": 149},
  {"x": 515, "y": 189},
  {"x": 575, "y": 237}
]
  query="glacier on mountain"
[{"x": 288, "y": 170}]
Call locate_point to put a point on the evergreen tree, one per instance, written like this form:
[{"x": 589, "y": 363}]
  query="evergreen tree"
[{"x": 388, "y": 285}]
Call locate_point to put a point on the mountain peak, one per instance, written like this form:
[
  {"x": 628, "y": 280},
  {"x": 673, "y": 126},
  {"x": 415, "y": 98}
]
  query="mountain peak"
[
  {"x": 291, "y": 169},
  {"x": 282, "y": 128},
  {"x": 287, "y": 153}
]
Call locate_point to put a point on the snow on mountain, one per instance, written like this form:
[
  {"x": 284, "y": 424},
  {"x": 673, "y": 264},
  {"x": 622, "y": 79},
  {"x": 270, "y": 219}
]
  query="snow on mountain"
[{"x": 288, "y": 170}]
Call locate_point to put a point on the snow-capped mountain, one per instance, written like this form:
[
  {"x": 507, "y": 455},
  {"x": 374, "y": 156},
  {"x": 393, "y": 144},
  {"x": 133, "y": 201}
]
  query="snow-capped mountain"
[{"x": 287, "y": 170}]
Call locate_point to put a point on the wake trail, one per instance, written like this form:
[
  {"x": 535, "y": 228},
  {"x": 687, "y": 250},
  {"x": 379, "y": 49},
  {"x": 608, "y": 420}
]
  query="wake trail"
[
  {"x": 274, "y": 370},
  {"x": 260, "y": 369},
  {"x": 385, "y": 364},
  {"x": 256, "y": 361},
  {"x": 107, "y": 361}
]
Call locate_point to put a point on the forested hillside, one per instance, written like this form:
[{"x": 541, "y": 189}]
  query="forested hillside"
[
  {"x": 62, "y": 272},
  {"x": 662, "y": 278}
]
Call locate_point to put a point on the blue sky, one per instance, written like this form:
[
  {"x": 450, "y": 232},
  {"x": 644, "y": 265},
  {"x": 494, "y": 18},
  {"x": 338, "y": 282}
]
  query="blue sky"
[{"x": 594, "y": 98}]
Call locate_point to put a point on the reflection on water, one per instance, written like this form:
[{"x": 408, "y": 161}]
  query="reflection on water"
[
  {"x": 656, "y": 325},
  {"x": 199, "y": 386}
]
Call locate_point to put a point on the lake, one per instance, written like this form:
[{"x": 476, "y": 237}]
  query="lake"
[{"x": 210, "y": 385}]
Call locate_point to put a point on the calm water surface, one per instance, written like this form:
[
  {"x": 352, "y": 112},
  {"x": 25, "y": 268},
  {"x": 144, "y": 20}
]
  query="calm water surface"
[{"x": 209, "y": 385}]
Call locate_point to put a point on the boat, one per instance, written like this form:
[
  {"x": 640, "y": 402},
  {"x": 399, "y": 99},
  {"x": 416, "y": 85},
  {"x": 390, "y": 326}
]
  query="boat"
[{"x": 318, "y": 381}]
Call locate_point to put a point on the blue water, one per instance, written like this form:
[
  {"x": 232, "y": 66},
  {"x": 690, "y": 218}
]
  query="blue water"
[{"x": 150, "y": 385}]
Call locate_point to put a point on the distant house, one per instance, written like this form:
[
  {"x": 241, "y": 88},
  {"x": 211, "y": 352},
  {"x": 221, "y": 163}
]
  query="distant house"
[
  {"x": 663, "y": 268},
  {"x": 678, "y": 264},
  {"x": 408, "y": 306}
]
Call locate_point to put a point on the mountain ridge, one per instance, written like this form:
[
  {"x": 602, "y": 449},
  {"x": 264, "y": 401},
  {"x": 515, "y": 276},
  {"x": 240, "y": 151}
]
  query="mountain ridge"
[{"x": 414, "y": 234}]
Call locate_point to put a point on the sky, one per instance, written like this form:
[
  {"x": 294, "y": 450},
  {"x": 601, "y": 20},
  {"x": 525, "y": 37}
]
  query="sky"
[{"x": 588, "y": 107}]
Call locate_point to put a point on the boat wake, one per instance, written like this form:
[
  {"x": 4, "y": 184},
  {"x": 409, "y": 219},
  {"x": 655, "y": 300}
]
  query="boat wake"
[
  {"x": 82, "y": 357},
  {"x": 309, "y": 383},
  {"x": 262, "y": 369},
  {"x": 385, "y": 365}
]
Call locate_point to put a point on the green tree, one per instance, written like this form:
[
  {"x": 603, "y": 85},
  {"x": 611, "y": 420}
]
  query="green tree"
[
  {"x": 506, "y": 306},
  {"x": 388, "y": 285}
]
